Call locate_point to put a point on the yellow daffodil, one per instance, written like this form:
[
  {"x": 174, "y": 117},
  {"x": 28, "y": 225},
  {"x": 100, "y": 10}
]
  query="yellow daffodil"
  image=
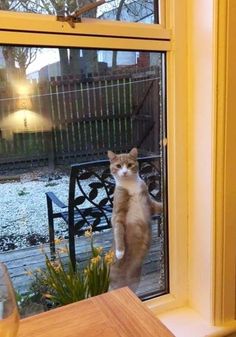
[
  {"x": 109, "y": 257},
  {"x": 58, "y": 268},
  {"x": 99, "y": 250},
  {"x": 62, "y": 250},
  {"x": 47, "y": 295},
  {"x": 55, "y": 265},
  {"x": 95, "y": 260},
  {"x": 88, "y": 233},
  {"x": 86, "y": 271},
  {"x": 58, "y": 241}
]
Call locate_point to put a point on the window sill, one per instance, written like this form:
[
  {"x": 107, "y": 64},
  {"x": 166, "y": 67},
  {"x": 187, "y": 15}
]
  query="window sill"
[{"x": 184, "y": 322}]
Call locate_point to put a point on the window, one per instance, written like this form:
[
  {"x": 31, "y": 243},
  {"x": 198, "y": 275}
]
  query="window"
[
  {"x": 120, "y": 10},
  {"x": 93, "y": 100},
  {"x": 195, "y": 242}
]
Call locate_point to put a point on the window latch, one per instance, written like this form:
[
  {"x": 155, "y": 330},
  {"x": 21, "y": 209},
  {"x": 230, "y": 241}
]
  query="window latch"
[{"x": 76, "y": 15}]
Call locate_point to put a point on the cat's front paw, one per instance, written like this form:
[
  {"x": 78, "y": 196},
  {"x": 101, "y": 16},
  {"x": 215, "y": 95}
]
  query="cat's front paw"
[{"x": 119, "y": 254}]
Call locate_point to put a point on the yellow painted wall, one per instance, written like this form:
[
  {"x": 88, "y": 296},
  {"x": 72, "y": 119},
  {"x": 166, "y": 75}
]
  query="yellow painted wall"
[
  {"x": 230, "y": 155},
  {"x": 205, "y": 144},
  {"x": 212, "y": 158}
]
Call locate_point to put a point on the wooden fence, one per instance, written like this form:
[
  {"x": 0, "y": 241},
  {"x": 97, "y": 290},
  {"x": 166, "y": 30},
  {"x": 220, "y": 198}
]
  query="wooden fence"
[{"x": 77, "y": 119}]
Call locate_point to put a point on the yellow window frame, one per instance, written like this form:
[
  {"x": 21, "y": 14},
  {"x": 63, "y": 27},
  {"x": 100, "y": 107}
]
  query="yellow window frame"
[
  {"x": 21, "y": 29},
  {"x": 179, "y": 35},
  {"x": 44, "y": 30}
]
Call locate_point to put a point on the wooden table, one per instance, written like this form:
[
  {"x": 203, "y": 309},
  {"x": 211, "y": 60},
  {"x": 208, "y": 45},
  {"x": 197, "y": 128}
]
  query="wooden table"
[{"x": 118, "y": 313}]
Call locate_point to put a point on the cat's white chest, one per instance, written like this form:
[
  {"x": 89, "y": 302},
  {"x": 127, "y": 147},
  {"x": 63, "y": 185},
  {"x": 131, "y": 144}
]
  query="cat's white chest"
[
  {"x": 133, "y": 188},
  {"x": 137, "y": 210}
]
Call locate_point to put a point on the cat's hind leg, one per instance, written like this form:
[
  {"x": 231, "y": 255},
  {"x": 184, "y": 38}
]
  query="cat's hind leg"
[{"x": 118, "y": 274}]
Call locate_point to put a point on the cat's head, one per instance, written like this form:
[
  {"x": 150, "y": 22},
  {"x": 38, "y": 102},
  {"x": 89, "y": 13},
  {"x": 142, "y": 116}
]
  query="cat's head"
[{"x": 124, "y": 165}]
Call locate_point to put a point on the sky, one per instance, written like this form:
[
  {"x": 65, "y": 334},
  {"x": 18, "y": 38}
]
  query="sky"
[{"x": 45, "y": 56}]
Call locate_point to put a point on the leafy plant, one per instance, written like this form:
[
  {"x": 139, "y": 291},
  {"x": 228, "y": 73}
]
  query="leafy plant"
[
  {"x": 30, "y": 303},
  {"x": 65, "y": 285},
  {"x": 60, "y": 283},
  {"x": 98, "y": 269}
]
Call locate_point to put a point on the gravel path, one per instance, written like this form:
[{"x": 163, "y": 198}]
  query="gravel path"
[{"x": 23, "y": 212}]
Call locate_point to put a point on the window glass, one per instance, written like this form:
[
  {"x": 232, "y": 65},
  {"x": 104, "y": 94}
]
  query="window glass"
[
  {"x": 123, "y": 10},
  {"x": 70, "y": 106}
]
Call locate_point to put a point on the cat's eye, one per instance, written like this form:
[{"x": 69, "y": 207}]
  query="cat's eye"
[
  {"x": 129, "y": 165},
  {"x": 118, "y": 166}
]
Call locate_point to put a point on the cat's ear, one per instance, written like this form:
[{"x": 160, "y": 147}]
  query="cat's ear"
[
  {"x": 134, "y": 153},
  {"x": 111, "y": 155}
]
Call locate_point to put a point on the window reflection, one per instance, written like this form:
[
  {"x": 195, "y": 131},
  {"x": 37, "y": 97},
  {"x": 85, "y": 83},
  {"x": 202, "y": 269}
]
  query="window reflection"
[
  {"x": 64, "y": 106},
  {"x": 121, "y": 10}
]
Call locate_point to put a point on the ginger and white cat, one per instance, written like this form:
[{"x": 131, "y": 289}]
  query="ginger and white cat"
[{"x": 131, "y": 217}]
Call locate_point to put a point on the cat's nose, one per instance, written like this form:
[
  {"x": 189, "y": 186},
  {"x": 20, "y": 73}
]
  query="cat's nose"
[{"x": 124, "y": 172}]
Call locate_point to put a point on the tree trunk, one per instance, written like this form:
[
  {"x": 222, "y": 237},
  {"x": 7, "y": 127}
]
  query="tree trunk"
[
  {"x": 90, "y": 62},
  {"x": 71, "y": 65},
  {"x": 22, "y": 73},
  {"x": 4, "y": 5},
  {"x": 74, "y": 62},
  {"x": 64, "y": 62},
  {"x": 114, "y": 59},
  {"x": 118, "y": 15},
  {"x": 9, "y": 57},
  {"x": 89, "y": 55}
]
